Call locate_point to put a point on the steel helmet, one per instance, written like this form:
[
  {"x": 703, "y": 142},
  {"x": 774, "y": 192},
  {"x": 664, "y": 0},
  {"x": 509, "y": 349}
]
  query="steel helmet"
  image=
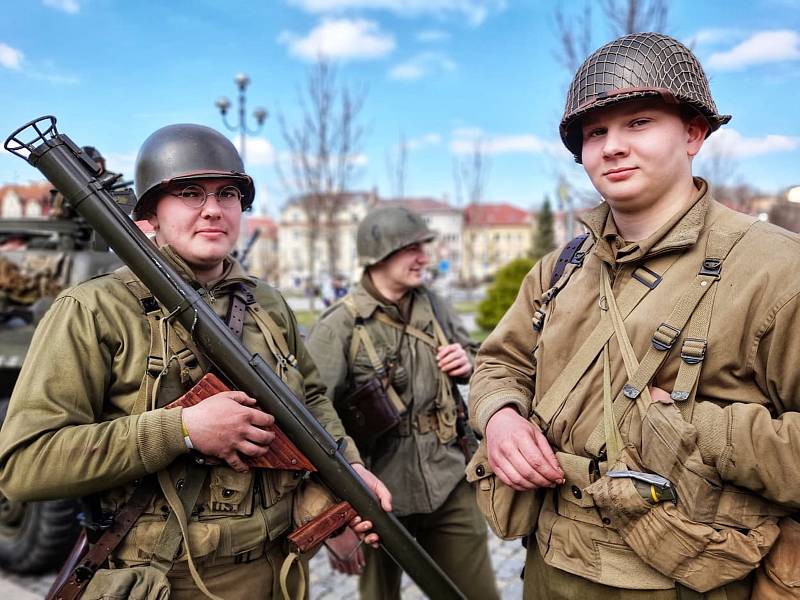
[
  {"x": 636, "y": 66},
  {"x": 186, "y": 151},
  {"x": 386, "y": 230}
]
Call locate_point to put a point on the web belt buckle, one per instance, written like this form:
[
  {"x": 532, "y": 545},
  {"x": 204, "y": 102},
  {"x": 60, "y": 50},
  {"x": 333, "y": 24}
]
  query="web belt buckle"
[{"x": 661, "y": 488}]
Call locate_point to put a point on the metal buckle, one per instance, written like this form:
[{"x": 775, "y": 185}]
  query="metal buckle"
[
  {"x": 711, "y": 267},
  {"x": 650, "y": 284},
  {"x": 577, "y": 258},
  {"x": 698, "y": 346},
  {"x": 668, "y": 335}
]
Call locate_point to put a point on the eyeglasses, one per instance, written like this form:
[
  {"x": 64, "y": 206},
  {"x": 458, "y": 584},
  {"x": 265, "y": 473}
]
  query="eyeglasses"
[{"x": 195, "y": 196}]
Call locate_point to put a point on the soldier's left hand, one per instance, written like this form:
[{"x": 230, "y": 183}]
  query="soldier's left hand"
[
  {"x": 384, "y": 496},
  {"x": 454, "y": 360}
]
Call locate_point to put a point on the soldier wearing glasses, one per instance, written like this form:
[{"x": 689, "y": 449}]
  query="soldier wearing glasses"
[{"x": 88, "y": 411}]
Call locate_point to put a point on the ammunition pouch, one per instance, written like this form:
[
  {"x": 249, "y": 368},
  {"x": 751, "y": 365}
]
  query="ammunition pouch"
[
  {"x": 510, "y": 514},
  {"x": 367, "y": 413}
]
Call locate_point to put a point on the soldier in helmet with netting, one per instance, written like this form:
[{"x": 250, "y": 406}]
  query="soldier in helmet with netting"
[
  {"x": 390, "y": 352},
  {"x": 89, "y": 414},
  {"x": 639, "y": 399}
]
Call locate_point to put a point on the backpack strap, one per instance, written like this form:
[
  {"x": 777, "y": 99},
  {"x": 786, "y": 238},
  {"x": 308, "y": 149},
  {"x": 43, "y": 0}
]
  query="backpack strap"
[{"x": 570, "y": 259}]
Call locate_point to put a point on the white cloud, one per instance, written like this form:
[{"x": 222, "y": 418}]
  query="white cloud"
[
  {"x": 422, "y": 65},
  {"x": 68, "y": 6},
  {"x": 729, "y": 142},
  {"x": 429, "y": 139},
  {"x": 713, "y": 36},
  {"x": 346, "y": 39},
  {"x": 465, "y": 141},
  {"x": 472, "y": 133},
  {"x": 432, "y": 35},
  {"x": 475, "y": 11},
  {"x": 10, "y": 58},
  {"x": 258, "y": 151},
  {"x": 759, "y": 48}
]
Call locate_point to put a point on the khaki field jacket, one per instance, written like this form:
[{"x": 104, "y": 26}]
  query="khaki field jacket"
[{"x": 749, "y": 387}]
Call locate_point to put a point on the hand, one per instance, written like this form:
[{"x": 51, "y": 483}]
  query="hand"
[
  {"x": 519, "y": 453},
  {"x": 345, "y": 553},
  {"x": 225, "y": 425},
  {"x": 453, "y": 360},
  {"x": 660, "y": 395},
  {"x": 384, "y": 496}
]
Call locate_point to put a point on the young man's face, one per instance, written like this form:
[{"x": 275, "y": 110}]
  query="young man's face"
[
  {"x": 202, "y": 235},
  {"x": 406, "y": 267},
  {"x": 637, "y": 152}
]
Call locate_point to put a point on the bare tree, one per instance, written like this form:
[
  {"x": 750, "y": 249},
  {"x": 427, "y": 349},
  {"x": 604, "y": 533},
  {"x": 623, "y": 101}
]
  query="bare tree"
[
  {"x": 470, "y": 175},
  {"x": 323, "y": 148},
  {"x": 574, "y": 39},
  {"x": 635, "y": 16},
  {"x": 397, "y": 167}
]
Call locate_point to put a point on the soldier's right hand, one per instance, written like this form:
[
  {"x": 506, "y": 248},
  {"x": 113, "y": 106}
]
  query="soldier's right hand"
[
  {"x": 519, "y": 453},
  {"x": 225, "y": 425}
]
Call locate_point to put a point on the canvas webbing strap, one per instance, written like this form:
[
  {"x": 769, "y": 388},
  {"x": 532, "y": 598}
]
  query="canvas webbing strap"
[
  {"x": 570, "y": 259},
  {"x": 274, "y": 337},
  {"x": 718, "y": 245},
  {"x": 286, "y": 568},
  {"x": 642, "y": 281},
  {"x": 176, "y": 528},
  {"x": 361, "y": 337},
  {"x": 412, "y": 331},
  {"x": 693, "y": 352}
]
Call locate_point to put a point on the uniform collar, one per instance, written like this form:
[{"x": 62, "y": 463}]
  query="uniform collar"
[
  {"x": 232, "y": 271},
  {"x": 366, "y": 305},
  {"x": 680, "y": 231}
]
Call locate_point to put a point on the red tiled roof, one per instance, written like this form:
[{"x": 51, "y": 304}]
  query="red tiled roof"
[
  {"x": 269, "y": 228},
  {"x": 29, "y": 191},
  {"x": 495, "y": 214}
]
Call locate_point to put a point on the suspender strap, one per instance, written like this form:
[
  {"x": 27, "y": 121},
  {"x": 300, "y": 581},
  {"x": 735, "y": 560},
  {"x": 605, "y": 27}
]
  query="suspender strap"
[
  {"x": 633, "y": 292},
  {"x": 362, "y": 337},
  {"x": 718, "y": 246},
  {"x": 176, "y": 529},
  {"x": 693, "y": 351}
]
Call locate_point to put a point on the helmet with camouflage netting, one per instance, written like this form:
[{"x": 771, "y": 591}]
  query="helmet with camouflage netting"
[
  {"x": 183, "y": 152},
  {"x": 386, "y": 230},
  {"x": 637, "y": 66}
]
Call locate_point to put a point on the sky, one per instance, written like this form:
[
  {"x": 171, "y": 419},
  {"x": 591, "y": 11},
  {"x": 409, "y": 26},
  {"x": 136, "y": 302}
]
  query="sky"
[{"x": 440, "y": 73}]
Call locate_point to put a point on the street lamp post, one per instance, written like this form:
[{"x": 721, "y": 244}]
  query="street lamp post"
[{"x": 223, "y": 104}]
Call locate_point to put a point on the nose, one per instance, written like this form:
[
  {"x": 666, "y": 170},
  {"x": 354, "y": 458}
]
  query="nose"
[
  {"x": 614, "y": 143},
  {"x": 211, "y": 207}
]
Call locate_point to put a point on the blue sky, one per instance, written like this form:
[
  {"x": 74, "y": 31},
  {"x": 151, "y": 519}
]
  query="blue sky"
[{"x": 443, "y": 72}]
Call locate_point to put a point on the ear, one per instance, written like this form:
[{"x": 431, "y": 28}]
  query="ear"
[{"x": 696, "y": 132}]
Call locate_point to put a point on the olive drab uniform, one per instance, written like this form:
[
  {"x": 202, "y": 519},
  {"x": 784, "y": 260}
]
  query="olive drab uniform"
[
  {"x": 419, "y": 460},
  {"x": 704, "y": 308},
  {"x": 86, "y": 417}
]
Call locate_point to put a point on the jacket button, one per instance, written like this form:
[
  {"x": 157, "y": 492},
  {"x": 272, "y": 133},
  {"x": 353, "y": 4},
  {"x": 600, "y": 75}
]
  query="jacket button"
[
  {"x": 227, "y": 493},
  {"x": 179, "y": 485},
  {"x": 576, "y": 491},
  {"x": 606, "y": 521},
  {"x": 480, "y": 471}
]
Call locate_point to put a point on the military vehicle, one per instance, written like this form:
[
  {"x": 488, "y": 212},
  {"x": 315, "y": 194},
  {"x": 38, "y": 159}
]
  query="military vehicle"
[{"x": 38, "y": 258}]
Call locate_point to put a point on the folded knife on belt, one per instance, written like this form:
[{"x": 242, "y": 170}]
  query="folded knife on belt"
[{"x": 650, "y": 485}]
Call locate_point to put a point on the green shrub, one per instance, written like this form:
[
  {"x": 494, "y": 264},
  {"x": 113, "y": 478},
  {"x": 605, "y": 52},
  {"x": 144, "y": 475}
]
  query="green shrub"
[{"x": 502, "y": 292}]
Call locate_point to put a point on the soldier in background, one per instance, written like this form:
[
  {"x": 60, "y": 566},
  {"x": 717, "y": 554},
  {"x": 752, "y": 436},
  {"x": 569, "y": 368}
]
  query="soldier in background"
[
  {"x": 391, "y": 330},
  {"x": 648, "y": 382}
]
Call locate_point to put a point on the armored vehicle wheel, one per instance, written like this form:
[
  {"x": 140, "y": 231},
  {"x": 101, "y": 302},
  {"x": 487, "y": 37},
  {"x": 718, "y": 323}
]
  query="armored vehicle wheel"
[{"x": 35, "y": 536}]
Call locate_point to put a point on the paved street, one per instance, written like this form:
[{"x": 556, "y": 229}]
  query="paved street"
[{"x": 507, "y": 558}]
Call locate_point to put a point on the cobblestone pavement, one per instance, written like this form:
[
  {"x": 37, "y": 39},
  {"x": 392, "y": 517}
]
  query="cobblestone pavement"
[{"x": 507, "y": 558}]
